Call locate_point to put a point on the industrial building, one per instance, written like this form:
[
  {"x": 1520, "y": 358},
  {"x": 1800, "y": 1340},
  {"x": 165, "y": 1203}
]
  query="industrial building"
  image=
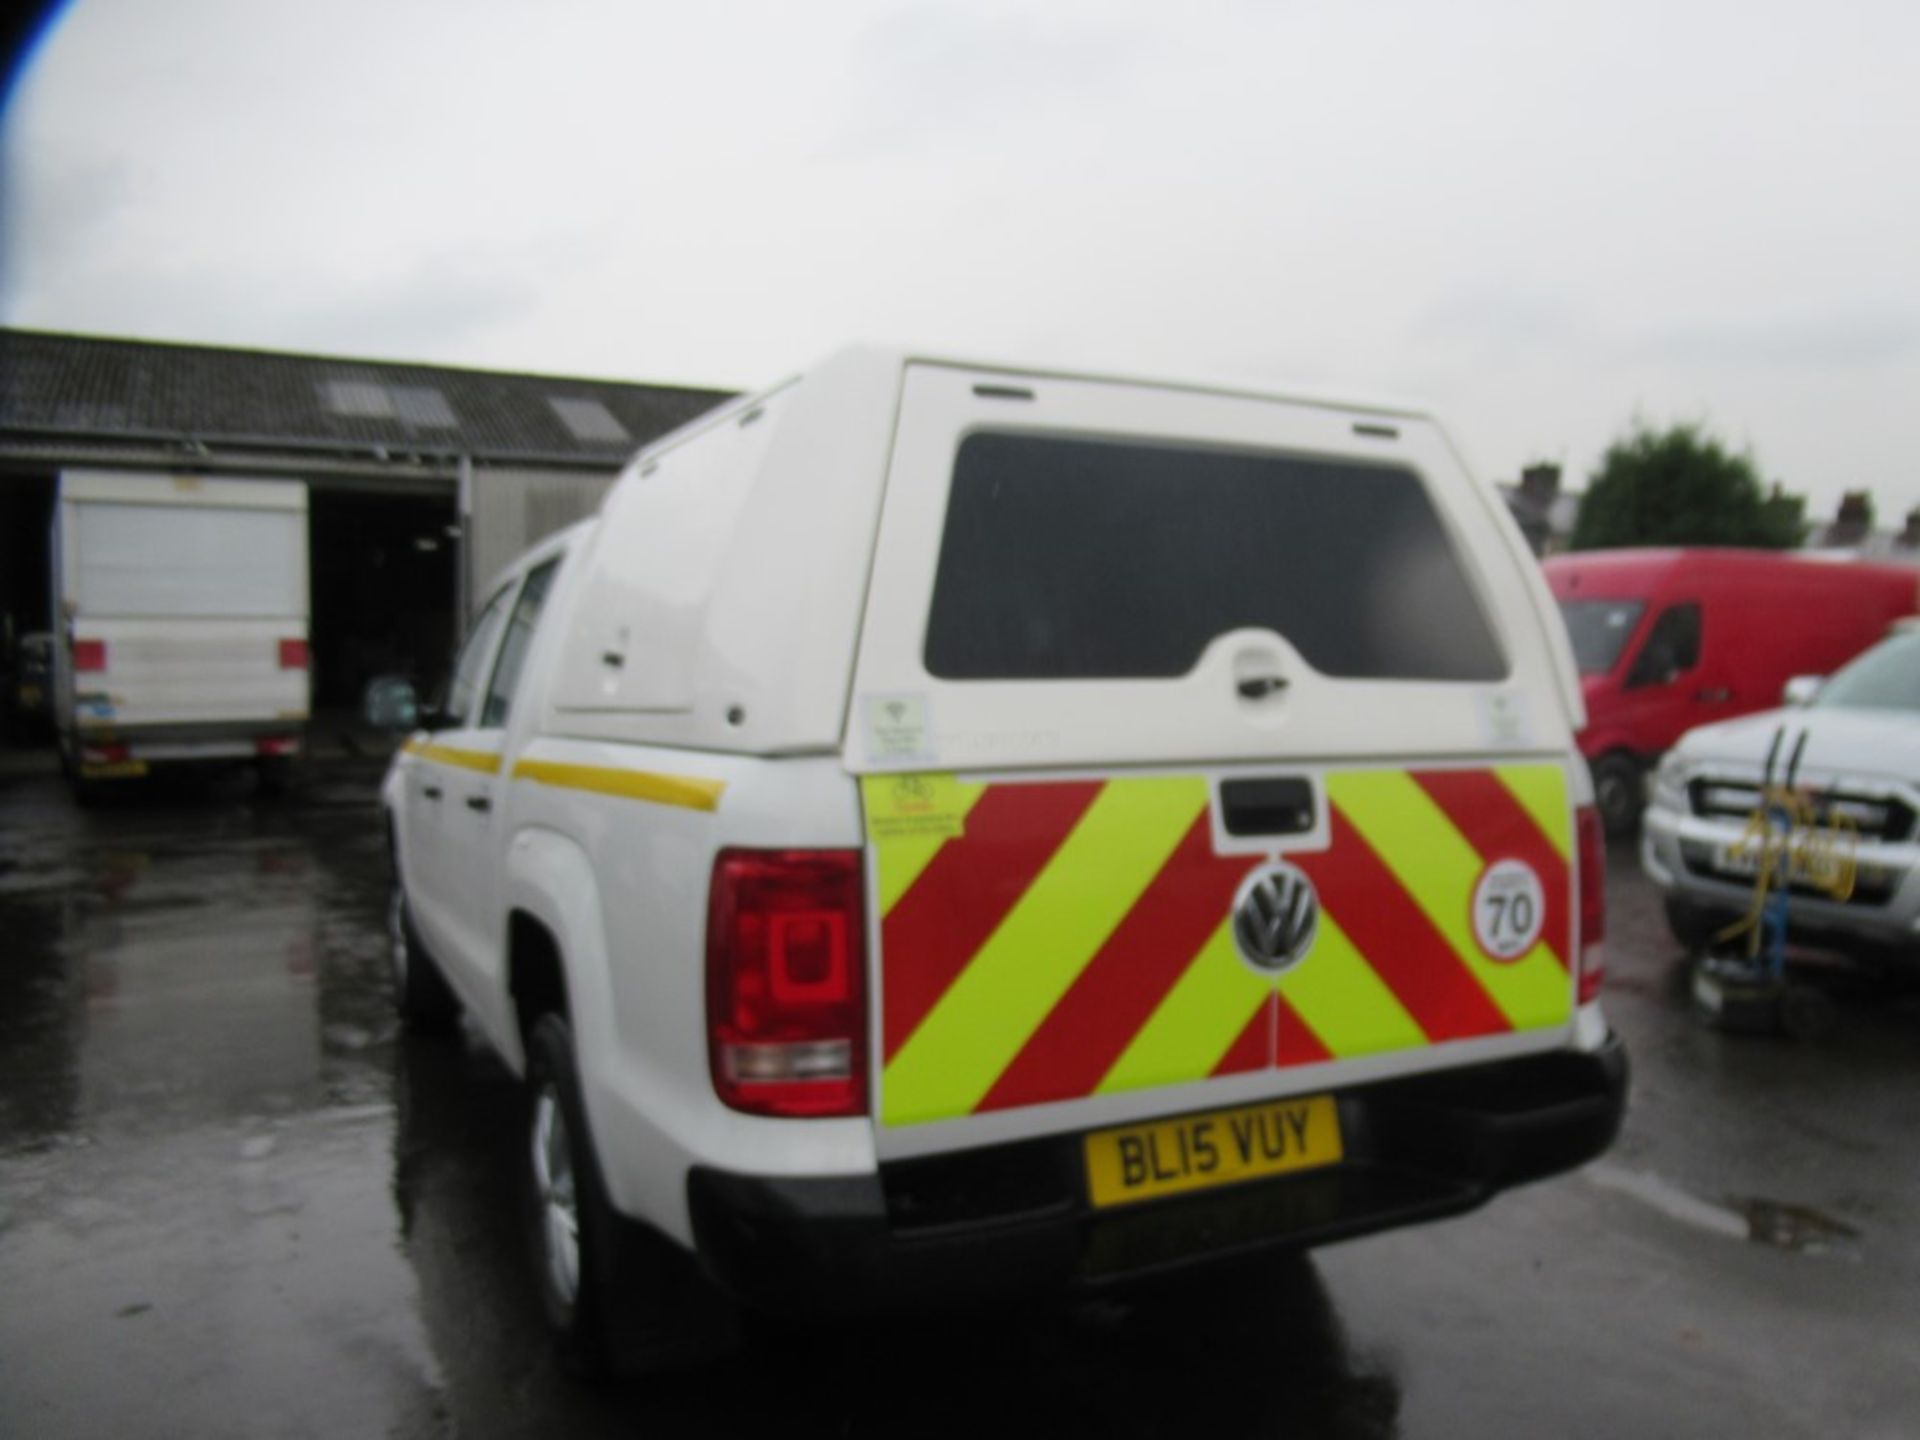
[{"x": 422, "y": 479}]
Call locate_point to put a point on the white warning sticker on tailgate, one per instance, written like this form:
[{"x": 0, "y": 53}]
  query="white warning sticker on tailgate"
[
  {"x": 1504, "y": 722},
  {"x": 896, "y": 727}
]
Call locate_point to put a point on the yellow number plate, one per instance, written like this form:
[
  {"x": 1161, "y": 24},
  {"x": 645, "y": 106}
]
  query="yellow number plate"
[
  {"x": 114, "y": 770},
  {"x": 1194, "y": 1152}
]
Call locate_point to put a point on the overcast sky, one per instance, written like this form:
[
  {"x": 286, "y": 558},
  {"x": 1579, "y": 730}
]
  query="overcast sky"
[{"x": 1542, "y": 219}]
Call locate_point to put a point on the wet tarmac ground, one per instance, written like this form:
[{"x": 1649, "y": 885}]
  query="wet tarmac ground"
[{"x": 235, "y": 1201}]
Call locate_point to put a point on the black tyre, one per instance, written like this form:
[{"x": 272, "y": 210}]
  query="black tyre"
[
  {"x": 1618, "y": 793},
  {"x": 420, "y": 991},
  {"x": 1695, "y": 928},
  {"x": 619, "y": 1299},
  {"x": 571, "y": 1224}
]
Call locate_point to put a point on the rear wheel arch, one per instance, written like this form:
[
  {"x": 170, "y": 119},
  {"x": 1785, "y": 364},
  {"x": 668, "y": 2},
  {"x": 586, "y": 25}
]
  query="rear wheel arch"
[
  {"x": 536, "y": 971},
  {"x": 554, "y": 959},
  {"x": 554, "y": 946}
]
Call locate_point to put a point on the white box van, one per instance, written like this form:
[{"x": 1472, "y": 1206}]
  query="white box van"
[
  {"x": 947, "y": 832},
  {"x": 181, "y": 604}
]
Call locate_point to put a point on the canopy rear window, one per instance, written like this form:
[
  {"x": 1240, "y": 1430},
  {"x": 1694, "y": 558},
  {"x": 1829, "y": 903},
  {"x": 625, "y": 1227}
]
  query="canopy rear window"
[{"x": 1067, "y": 559}]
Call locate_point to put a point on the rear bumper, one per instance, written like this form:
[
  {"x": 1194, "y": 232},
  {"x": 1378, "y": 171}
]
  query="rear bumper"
[
  {"x": 1012, "y": 1220},
  {"x": 107, "y": 751}
]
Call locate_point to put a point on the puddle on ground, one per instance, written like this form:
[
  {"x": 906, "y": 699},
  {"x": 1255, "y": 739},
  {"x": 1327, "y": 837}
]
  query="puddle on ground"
[
  {"x": 1776, "y": 1223},
  {"x": 1793, "y": 1227}
]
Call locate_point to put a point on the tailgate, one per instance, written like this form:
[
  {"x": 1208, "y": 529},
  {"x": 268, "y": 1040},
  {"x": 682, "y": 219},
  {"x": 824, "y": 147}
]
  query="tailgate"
[
  {"x": 1212, "y": 749},
  {"x": 1071, "y": 950}
]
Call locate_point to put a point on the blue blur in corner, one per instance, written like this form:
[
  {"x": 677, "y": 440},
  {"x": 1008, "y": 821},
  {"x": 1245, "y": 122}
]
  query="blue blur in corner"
[{"x": 22, "y": 38}]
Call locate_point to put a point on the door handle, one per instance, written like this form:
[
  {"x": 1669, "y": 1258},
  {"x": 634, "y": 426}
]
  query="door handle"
[
  {"x": 432, "y": 792},
  {"x": 479, "y": 802},
  {"x": 1714, "y": 695}
]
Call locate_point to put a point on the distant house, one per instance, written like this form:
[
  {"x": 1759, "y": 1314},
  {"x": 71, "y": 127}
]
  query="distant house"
[
  {"x": 1545, "y": 513},
  {"x": 422, "y": 480},
  {"x": 1851, "y": 533}
]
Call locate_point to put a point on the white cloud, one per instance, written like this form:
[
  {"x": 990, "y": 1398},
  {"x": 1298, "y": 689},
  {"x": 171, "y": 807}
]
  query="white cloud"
[{"x": 1543, "y": 216}]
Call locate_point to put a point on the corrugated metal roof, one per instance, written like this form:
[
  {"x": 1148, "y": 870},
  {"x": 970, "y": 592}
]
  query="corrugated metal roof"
[{"x": 101, "y": 389}]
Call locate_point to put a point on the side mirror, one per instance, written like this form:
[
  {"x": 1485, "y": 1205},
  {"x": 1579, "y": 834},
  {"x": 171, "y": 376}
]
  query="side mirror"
[
  {"x": 1800, "y": 690},
  {"x": 390, "y": 704}
]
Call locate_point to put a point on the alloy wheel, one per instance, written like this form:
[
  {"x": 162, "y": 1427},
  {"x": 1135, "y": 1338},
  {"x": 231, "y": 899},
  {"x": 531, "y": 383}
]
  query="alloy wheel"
[{"x": 557, "y": 1210}]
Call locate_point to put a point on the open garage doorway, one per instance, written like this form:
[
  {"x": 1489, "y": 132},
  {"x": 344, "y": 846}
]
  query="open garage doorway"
[
  {"x": 384, "y": 569},
  {"x": 26, "y": 607}
]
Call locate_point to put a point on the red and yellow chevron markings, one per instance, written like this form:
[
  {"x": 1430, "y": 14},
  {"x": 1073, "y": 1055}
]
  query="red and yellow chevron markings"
[{"x": 1048, "y": 940}]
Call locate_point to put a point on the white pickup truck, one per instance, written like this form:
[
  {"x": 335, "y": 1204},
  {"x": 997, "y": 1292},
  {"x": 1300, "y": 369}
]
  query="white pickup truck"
[{"x": 947, "y": 832}]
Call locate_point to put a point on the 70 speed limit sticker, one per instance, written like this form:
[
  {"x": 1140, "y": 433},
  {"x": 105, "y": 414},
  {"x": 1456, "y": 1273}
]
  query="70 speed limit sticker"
[{"x": 1509, "y": 909}]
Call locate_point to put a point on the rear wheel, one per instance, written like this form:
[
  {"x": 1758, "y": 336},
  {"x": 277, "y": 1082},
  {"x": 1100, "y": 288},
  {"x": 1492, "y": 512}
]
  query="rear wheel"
[
  {"x": 571, "y": 1223},
  {"x": 1617, "y": 792},
  {"x": 618, "y": 1297},
  {"x": 420, "y": 992}
]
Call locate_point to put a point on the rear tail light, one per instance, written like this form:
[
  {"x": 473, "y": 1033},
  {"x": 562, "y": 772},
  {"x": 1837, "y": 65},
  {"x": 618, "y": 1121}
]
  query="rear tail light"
[
  {"x": 1593, "y": 902},
  {"x": 89, "y": 656},
  {"x": 105, "y": 754},
  {"x": 293, "y": 654},
  {"x": 786, "y": 988},
  {"x": 276, "y": 745}
]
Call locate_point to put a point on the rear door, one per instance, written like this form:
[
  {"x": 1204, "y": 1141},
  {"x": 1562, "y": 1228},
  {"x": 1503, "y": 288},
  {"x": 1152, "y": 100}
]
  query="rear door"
[
  {"x": 187, "y": 602},
  {"x": 1205, "y": 759},
  {"x": 446, "y": 768},
  {"x": 474, "y": 828}
]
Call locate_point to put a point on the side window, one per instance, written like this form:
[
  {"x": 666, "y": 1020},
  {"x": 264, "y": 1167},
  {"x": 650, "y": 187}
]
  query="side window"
[
  {"x": 513, "y": 647},
  {"x": 465, "y": 684},
  {"x": 1672, "y": 648}
]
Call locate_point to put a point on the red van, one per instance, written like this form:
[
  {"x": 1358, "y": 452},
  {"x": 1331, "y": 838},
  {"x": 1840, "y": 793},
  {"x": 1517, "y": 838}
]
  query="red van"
[{"x": 1670, "y": 639}]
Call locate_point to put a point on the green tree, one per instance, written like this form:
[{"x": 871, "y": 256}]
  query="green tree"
[{"x": 1680, "y": 486}]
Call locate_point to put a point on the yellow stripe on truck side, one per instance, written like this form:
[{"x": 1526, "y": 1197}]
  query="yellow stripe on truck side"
[
  {"x": 486, "y": 762},
  {"x": 686, "y": 791}
]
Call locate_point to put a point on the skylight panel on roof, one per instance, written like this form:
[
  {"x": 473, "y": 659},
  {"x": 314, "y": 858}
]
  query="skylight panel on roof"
[
  {"x": 589, "y": 421},
  {"x": 422, "y": 406},
  {"x": 361, "y": 399}
]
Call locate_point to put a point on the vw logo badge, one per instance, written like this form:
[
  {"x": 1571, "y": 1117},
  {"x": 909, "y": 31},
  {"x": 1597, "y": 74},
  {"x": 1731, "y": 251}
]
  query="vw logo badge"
[{"x": 1275, "y": 917}]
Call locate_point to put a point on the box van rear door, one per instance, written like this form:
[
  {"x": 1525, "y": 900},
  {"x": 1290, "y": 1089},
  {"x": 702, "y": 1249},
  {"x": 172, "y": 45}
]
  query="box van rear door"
[
  {"x": 1205, "y": 757},
  {"x": 186, "y": 601}
]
